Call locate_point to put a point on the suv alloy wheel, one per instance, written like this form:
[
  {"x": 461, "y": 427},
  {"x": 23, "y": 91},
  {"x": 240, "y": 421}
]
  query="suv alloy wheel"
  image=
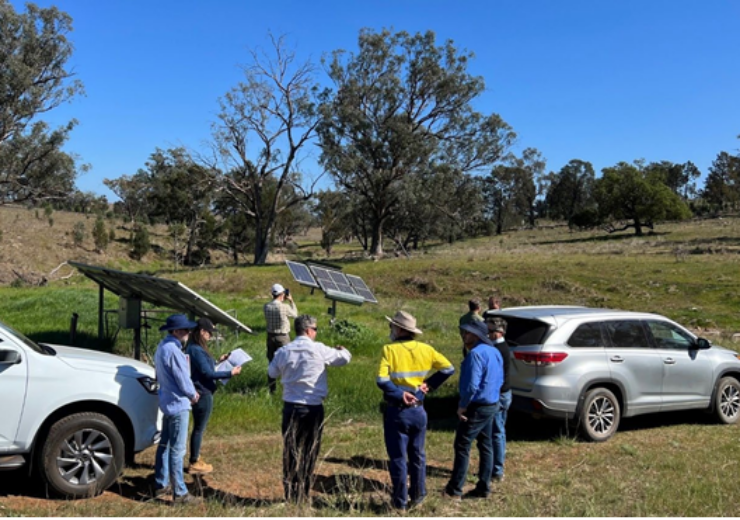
[{"x": 600, "y": 415}]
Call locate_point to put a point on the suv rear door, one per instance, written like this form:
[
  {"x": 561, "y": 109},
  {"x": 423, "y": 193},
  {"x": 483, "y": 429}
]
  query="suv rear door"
[
  {"x": 635, "y": 365},
  {"x": 687, "y": 372}
]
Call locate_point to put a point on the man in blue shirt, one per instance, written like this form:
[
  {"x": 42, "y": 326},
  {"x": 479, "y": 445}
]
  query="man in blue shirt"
[
  {"x": 176, "y": 392},
  {"x": 481, "y": 376}
]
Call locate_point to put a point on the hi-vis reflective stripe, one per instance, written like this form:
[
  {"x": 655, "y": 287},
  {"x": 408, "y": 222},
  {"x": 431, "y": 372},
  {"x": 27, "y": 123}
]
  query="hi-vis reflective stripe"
[
  {"x": 383, "y": 379},
  {"x": 403, "y": 375},
  {"x": 448, "y": 370}
]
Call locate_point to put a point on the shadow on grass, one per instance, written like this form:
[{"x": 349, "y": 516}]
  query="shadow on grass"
[
  {"x": 605, "y": 238},
  {"x": 141, "y": 489}
]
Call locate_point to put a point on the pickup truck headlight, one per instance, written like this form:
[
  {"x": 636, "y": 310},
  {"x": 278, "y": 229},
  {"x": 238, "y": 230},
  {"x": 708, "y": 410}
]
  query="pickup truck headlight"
[{"x": 149, "y": 383}]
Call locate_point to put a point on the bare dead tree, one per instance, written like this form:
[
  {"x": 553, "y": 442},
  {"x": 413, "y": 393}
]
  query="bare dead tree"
[{"x": 264, "y": 123}]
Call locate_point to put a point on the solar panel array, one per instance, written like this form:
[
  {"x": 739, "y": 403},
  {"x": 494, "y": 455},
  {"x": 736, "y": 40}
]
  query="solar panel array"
[
  {"x": 335, "y": 284},
  {"x": 158, "y": 291}
]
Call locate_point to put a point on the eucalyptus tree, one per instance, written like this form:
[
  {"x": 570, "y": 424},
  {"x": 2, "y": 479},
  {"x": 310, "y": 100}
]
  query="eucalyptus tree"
[
  {"x": 34, "y": 79},
  {"x": 632, "y": 196},
  {"x": 263, "y": 124},
  {"x": 722, "y": 187},
  {"x": 512, "y": 189},
  {"x": 571, "y": 190},
  {"x": 181, "y": 191},
  {"x": 401, "y": 106}
]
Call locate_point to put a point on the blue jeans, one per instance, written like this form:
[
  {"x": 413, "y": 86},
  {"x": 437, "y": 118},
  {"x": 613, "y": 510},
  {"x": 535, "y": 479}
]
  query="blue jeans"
[
  {"x": 405, "y": 432},
  {"x": 201, "y": 413},
  {"x": 477, "y": 427},
  {"x": 170, "y": 453},
  {"x": 499, "y": 433}
]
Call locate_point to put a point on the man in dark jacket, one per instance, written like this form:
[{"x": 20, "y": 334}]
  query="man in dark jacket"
[{"x": 496, "y": 331}]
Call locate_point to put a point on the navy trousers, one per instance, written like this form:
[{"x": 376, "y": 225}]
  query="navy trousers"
[{"x": 405, "y": 432}]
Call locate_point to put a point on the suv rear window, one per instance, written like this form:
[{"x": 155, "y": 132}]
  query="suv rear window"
[{"x": 521, "y": 331}]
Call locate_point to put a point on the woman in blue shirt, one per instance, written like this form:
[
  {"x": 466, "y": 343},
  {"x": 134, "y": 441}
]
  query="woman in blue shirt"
[{"x": 204, "y": 375}]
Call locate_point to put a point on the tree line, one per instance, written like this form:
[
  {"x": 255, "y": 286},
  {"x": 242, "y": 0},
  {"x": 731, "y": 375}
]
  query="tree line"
[{"x": 396, "y": 131}]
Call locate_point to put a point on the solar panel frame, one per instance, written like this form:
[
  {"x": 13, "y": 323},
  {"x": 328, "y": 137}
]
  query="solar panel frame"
[{"x": 299, "y": 272}]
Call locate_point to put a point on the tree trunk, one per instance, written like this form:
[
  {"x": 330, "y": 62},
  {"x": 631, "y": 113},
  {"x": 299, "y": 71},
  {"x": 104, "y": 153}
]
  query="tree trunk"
[
  {"x": 376, "y": 244},
  {"x": 638, "y": 227}
]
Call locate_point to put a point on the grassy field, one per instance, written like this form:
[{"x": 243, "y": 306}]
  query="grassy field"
[{"x": 663, "y": 465}]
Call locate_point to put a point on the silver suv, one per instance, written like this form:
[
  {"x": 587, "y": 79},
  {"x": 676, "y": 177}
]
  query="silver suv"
[{"x": 595, "y": 366}]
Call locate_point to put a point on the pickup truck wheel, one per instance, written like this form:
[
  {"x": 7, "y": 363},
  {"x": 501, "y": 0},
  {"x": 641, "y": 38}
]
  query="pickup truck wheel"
[
  {"x": 600, "y": 415},
  {"x": 82, "y": 455},
  {"x": 727, "y": 400}
]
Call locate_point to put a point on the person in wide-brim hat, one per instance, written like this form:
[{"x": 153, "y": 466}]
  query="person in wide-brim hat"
[
  {"x": 405, "y": 321},
  {"x": 479, "y": 329},
  {"x": 178, "y": 322}
]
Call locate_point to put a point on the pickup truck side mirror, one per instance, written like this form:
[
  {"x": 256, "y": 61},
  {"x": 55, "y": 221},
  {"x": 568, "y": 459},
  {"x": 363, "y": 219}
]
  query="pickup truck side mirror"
[
  {"x": 10, "y": 357},
  {"x": 702, "y": 344}
]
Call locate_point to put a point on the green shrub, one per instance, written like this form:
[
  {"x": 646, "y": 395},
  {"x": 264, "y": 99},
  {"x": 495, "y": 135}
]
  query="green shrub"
[
  {"x": 100, "y": 235},
  {"x": 141, "y": 245},
  {"x": 78, "y": 234}
]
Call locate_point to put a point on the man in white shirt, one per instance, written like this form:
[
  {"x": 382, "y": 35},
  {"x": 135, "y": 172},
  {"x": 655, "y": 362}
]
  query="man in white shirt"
[{"x": 301, "y": 367}]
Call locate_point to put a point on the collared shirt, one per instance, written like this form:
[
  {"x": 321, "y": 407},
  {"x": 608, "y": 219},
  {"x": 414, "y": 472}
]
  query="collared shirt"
[
  {"x": 176, "y": 390},
  {"x": 481, "y": 376},
  {"x": 278, "y": 314},
  {"x": 301, "y": 367},
  {"x": 405, "y": 365}
]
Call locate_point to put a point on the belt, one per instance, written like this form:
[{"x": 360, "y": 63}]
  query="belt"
[{"x": 404, "y": 406}]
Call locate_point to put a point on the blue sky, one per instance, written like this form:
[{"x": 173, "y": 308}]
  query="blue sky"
[{"x": 602, "y": 81}]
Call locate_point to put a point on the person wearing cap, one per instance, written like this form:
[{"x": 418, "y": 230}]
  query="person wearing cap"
[
  {"x": 301, "y": 366},
  {"x": 405, "y": 379},
  {"x": 204, "y": 375},
  {"x": 277, "y": 316},
  {"x": 176, "y": 393},
  {"x": 481, "y": 376},
  {"x": 496, "y": 331}
]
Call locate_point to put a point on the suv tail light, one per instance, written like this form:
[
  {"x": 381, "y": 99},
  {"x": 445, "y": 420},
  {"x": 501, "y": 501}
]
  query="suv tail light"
[{"x": 540, "y": 359}]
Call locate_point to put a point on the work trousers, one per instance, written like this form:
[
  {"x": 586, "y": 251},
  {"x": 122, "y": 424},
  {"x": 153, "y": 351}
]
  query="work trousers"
[
  {"x": 302, "y": 429},
  {"x": 405, "y": 432},
  {"x": 274, "y": 342}
]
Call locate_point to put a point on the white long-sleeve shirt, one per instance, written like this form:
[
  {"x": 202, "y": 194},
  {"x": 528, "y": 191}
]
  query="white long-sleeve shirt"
[{"x": 301, "y": 367}]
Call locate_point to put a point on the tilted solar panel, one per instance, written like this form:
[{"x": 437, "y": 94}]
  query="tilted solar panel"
[
  {"x": 361, "y": 288},
  {"x": 302, "y": 274}
]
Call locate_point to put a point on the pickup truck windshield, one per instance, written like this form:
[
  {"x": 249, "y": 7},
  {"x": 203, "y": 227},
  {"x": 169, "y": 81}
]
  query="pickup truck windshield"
[{"x": 23, "y": 339}]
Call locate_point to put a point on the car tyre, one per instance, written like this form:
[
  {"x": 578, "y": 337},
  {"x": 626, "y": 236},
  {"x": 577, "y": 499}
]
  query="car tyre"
[
  {"x": 599, "y": 416},
  {"x": 727, "y": 400},
  {"x": 82, "y": 455}
]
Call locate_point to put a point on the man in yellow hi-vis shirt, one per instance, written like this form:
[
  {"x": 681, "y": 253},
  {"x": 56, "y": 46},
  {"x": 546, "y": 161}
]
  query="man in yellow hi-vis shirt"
[{"x": 403, "y": 379}]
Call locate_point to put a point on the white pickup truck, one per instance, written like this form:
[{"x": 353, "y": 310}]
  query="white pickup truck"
[{"x": 76, "y": 416}]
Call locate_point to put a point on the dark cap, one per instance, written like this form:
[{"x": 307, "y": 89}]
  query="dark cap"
[{"x": 206, "y": 325}]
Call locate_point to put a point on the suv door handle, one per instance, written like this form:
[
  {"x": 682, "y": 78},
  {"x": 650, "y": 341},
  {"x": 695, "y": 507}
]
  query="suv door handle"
[
  {"x": 617, "y": 359},
  {"x": 669, "y": 361}
]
